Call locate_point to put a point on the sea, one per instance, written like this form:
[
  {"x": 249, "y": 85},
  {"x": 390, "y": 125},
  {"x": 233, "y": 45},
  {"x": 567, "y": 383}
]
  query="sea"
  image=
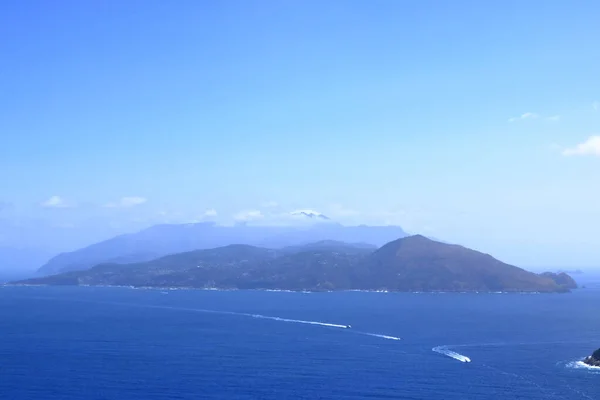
[{"x": 120, "y": 343}]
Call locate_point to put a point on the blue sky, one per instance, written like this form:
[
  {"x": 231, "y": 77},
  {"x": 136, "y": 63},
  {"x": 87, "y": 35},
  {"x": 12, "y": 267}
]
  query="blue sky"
[{"x": 456, "y": 119}]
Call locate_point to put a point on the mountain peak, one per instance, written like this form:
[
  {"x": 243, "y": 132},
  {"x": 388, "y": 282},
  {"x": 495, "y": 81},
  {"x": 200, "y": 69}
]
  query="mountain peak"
[
  {"x": 418, "y": 237},
  {"x": 410, "y": 240}
]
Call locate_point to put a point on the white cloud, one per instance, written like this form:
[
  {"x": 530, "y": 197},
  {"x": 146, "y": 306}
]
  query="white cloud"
[
  {"x": 554, "y": 118},
  {"x": 210, "y": 213},
  {"x": 127, "y": 202},
  {"x": 55, "y": 202},
  {"x": 248, "y": 215},
  {"x": 527, "y": 115},
  {"x": 280, "y": 218},
  {"x": 591, "y": 147},
  {"x": 596, "y": 105}
]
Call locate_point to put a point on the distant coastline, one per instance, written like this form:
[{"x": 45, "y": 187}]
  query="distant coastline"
[
  {"x": 409, "y": 264},
  {"x": 305, "y": 291}
]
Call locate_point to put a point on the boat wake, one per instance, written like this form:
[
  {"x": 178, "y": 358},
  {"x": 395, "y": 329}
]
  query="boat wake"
[
  {"x": 297, "y": 321},
  {"x": 380, "y": 336},
  {"x": 452, "y": 354},
  {"x": 259, "y": 316},
  {"x": 239, "y": 314},
  {"x": 280, "y": 319}
]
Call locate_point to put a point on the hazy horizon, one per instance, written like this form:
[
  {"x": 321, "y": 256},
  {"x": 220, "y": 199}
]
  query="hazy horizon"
[{"x": 473, "y": 123}]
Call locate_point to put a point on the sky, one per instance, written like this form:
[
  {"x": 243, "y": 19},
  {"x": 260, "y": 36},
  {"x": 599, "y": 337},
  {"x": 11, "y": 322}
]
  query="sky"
[{"x": 474, "y": 122}]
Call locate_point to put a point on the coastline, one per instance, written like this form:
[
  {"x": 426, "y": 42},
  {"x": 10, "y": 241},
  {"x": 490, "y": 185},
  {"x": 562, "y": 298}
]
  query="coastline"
[{"x": 305, "y": 291}]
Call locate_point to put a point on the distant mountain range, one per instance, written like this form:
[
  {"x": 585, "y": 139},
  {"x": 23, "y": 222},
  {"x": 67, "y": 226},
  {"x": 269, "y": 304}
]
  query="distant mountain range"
[
  {"x": 161, "y": 240},
  {"x": 413, "y": 263}
]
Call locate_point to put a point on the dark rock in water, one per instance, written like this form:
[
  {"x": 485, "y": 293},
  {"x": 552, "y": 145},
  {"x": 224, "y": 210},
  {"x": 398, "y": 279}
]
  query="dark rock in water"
[
  {"x": 594, "y": 359},
  {"x": 562, "y": 279}
]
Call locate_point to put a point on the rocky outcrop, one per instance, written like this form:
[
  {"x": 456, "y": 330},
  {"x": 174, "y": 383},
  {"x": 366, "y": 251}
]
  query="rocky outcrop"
[
  {"x": 562, "y": 279},
  {"x": 593, "y": 360}
]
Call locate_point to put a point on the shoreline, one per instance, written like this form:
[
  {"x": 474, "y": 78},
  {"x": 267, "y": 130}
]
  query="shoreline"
[{"x": 304, "y": 291}]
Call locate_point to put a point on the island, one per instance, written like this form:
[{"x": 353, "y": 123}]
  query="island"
[
  {"x": 410, "y": 264},
  {"x": 593, "y": 360}
]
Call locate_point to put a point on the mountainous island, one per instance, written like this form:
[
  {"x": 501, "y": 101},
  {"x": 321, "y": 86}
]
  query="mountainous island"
[
  {"x": 413, "y": 263},
  {"x": 594, "y": 359},
  {"x": 162, "y": 240}
]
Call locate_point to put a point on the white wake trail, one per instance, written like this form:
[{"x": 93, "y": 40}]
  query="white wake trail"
[
  {"x": 452, "y": 354},
  {"x": 381, "y": 336},
  {"x": 239, "y": 314},
  {"x": 297, "y": 321},
  {"x": 233, "y": 313},
  {"x": 260, "y": 316},
  {"x": 204, "y": 310}
]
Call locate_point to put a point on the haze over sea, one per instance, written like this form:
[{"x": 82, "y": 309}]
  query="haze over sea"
[{"x": 116, "y": 343}]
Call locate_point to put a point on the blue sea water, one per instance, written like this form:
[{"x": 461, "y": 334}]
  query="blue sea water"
[{"x": 117, "y": 343}]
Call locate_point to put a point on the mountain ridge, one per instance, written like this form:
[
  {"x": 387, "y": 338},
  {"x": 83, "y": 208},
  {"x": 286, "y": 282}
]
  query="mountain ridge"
[
  {"x": 413, "y": 263},
  {"x": 165, "y": 239}
]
